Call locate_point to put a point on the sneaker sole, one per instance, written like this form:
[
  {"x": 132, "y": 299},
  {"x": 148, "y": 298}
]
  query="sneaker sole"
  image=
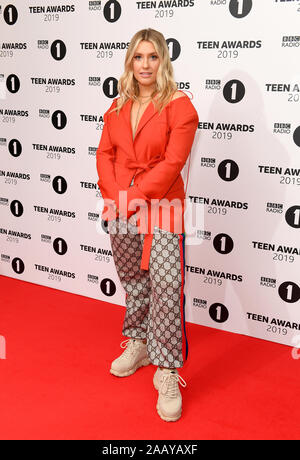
[
  {"x": 144, "y": 362},
  {"x": 164, "y": 417}
]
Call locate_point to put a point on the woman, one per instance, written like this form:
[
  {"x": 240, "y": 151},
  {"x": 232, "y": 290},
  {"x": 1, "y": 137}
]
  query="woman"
[{"x": 147, "y": 137}]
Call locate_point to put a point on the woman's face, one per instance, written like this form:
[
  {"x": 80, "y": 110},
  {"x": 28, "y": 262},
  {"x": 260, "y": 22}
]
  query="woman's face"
[{"x": 145, "y": 64}]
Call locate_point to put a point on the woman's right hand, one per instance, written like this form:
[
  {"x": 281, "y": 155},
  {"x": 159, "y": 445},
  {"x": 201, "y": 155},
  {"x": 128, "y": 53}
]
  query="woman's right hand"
[{"x": 117, "y": 211}]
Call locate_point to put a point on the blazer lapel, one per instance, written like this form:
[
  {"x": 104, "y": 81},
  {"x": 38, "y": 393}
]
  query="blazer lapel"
[
  {"x": 125, "y": 112},
  {"x": 147, "y": 115}
]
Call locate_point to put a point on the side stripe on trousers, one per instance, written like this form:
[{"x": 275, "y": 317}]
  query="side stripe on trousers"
[{"x": 182, "y": 300}]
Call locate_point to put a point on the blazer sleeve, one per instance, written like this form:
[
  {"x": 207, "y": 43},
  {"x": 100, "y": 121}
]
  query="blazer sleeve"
[
  {"x": 105, "y": 156},
  {"x": 183, "y": 121}
]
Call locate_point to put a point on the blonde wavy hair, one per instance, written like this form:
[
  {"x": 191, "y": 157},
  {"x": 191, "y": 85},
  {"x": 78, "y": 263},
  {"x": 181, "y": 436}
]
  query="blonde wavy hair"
[{"x": 128, "y": 87}]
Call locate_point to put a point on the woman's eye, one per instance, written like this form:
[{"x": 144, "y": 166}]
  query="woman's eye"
[{"x": 153, "y": 57}]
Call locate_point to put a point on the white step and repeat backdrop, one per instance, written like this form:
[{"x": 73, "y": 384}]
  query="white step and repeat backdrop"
[{"x": 239, "y": 62}]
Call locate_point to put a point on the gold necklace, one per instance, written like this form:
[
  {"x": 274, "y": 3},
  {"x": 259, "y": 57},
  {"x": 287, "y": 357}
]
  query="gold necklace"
[{"x": 138, "y": 112}]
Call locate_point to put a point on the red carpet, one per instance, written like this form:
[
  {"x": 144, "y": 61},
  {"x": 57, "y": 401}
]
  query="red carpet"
[{"x": 55, "y": 380}]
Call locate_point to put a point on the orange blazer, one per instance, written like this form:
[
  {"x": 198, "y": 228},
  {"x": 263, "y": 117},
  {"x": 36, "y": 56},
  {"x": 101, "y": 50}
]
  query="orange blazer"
[{"x": 154, "y": 158}]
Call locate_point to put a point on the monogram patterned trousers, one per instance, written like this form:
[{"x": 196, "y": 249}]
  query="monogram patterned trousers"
[{"x": 155, "y": 299}]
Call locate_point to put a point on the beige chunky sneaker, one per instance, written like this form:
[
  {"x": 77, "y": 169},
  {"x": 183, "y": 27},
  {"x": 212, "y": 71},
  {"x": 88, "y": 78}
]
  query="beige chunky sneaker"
[
  {"x": 169, "y": 402},
  {"x": 134, "y": 356}
]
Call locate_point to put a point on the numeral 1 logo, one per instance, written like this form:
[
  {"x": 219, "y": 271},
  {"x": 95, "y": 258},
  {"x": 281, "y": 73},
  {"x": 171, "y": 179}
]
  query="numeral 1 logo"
[
  {"x": 112, "y": 11},
  {"x": 289, "y": 292},
  {"x": 240, "y": 8},
  {"x": 108, "y": 287},
  {"x": 104, "y": 225},
  {"x": 58, "y": 50},
  {"x": 18, "y": 265},
  {"x": 59, "y": 184},
  {"x": 60, "y": 246},
  {"x": 13, "y": 83},
  {"x": 16, "y": 208},
  {"x": 292, "y": 216},
  {"x": 234, "y": 91},
  {"x": 223, "y": 243},
  {"x": 228, "y": 170},
  {"x": 174, "y": 48},
  {"x": 218, "y": 312},
  {"x": 59, "y": 119},
  {"x": 110, "y": 87},
  {"x": 10, "y": 14},
  {"x": 296, "y": 136},
  {"x": 15, "y": 147}
]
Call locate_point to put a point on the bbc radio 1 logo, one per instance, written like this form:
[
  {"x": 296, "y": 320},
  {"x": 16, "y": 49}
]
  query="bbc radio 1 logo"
[
  {"x": 59, "y": 185},
  {"x": 60, "y": 246},
  {"x": 15, "y": 148},
  {"x": 10, "y": 14},
  {"x": 16, "y": 208},
  {"x": 110, "y": 87},
  {"x": 18, "y": 265},
  {"x": 58, "y": 48},
  {"x": 104, "y": 225},
  {"x": 296, "y": 136},
  {"x": 13, "y": 83},
  {"x": 59, "y": 119},
  {"x": 234, "y": 91},
  {"x": 174, "y": 48},
  {"x": 218, "y": 312},
  {"x": 285, "y": 128},
  {"x": 289, "y": 292},
  {"x": 228, "y": 170},
  {"x": 112, "y": 11},
  {"x": 223, "y": 243},
  {"x": 108, "y": 287},
  {"x": 240, "y": 8},
  {"x": 292, "y": 216}
]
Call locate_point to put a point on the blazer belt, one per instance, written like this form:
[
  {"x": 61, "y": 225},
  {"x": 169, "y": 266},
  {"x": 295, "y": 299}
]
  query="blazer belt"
[
  {"x": 148, "y": 237},
  {"x": 134, "y": 164},
  {"x": 146, "y": 251}
]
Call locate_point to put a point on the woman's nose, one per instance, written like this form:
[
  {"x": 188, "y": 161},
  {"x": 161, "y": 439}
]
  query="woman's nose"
[{"x": 145, "y": 63}]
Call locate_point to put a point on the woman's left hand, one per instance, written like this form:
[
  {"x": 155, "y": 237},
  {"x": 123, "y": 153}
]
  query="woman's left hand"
[{"x": 121, "y": 216}]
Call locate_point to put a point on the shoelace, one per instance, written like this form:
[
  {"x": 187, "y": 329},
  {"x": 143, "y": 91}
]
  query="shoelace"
[
  {"x": 128, "y": 344},
  {"x": 169, "y": 385}
]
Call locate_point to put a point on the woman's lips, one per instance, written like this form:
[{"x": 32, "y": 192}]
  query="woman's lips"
[{"x": 145, "y": 74}]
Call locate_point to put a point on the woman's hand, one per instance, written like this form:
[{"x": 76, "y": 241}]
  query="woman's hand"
[
  {"x": 132, "y": 219},
  {"x": 116, "y": 209}
]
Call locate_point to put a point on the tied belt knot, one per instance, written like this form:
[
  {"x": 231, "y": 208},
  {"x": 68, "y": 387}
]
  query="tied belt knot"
[{"x": 141, "y": 166}]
